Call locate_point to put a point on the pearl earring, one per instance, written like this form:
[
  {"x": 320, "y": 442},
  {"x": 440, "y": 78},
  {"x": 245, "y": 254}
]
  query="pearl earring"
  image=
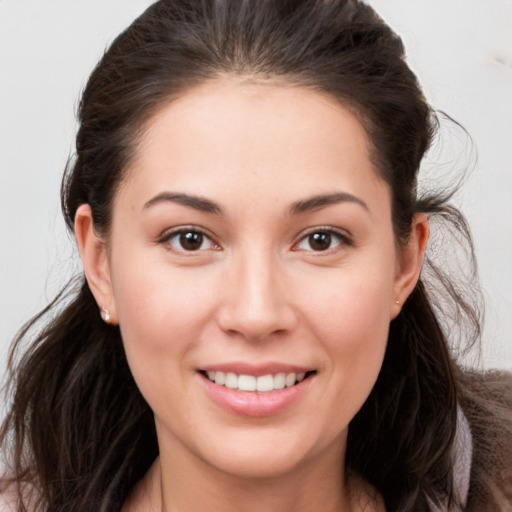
[{"x": 105, "y": 315}]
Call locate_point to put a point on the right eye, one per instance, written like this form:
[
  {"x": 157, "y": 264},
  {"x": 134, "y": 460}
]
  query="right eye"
[{"x": 188, "y": 240}]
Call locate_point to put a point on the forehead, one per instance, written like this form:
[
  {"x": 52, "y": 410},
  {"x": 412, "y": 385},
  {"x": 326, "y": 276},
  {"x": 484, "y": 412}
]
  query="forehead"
[{"x": 252, "y": 138}]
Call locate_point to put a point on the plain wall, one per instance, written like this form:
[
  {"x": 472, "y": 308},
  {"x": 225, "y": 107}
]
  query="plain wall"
[{"x": 461, "y": 51}]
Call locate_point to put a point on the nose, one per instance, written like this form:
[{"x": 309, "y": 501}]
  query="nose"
[{"x": 255, "y": 301}]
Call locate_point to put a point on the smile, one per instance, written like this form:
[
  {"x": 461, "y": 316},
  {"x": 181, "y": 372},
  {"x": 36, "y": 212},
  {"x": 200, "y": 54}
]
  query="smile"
[
  {"x": 261, "y": 384},
  {"x": 256, "y": 391}
]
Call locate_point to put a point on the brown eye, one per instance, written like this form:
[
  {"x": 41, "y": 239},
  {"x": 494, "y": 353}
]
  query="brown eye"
[
  {"x": 191, "y": 241},
  {"x": 188, "y": 240},
  {"x": 320, "y": 241}
]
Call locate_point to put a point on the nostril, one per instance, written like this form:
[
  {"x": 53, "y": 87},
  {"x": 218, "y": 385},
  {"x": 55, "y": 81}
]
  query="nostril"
[{"x": 256, "y": 327}]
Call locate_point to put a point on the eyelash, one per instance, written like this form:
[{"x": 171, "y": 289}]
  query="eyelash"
[
  {"x": 342, "y": 238},
  {"x": 167, "y": 237}
]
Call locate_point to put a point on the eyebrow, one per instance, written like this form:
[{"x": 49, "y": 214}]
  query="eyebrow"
[
  {"x": 198, "y": 203},
  {"x": 323, "y": 200},
  {"x": 206, "y": 205}
]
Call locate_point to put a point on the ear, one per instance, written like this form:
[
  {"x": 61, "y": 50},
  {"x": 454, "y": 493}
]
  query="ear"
[
  {"x": 94, "y": 255},
  {"x": 410, "y": 262}
]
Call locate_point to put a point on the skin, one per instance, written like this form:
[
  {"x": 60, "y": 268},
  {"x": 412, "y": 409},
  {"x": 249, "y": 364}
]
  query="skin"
[{"x": 256, "y": 290}]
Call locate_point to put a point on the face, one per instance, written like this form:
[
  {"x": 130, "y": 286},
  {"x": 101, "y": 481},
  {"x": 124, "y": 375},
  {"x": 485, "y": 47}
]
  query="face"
[{"x": 253, "y": 271}]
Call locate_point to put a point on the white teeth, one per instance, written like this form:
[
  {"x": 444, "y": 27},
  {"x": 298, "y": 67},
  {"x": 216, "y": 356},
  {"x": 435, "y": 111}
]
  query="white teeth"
[
  {"x": 265, "y": 383},
  {"x": 220, "y": 378},
  {"x": 290, "y": 379},
  {"x": 261, "y": 384},
  {"x": 247, "y": 383},
  {"x": 231, "y": 381},
  {"x": 279, "y": 381}
]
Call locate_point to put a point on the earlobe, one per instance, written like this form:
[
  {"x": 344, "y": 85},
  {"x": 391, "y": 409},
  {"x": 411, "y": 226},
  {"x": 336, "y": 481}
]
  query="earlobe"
[
  {"x": 411, "y": 261},
  {"x": 93, "y": 253}
]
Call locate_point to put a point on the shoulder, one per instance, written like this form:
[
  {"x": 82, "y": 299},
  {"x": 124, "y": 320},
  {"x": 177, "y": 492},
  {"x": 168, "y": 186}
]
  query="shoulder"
[
  {"x": 9, "y": 496},
  {"x": 8, "y": 501},
  {"x": 462, "y": 456},
  {"x": 486, "y": 398},
  {"x": 7, "y": 504}
]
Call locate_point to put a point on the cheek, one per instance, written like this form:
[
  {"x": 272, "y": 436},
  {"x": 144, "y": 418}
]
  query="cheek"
[
  {"x": 357, "y": 337},
  {"x": 352, "y": 320},
  {"x": 161, "y": 315},
  {"x": 156, "y": 301},
  {"x": 352, "y": 309}
]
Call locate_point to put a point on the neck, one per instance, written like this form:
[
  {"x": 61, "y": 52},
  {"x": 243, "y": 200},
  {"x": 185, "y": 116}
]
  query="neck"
[
  {"x": 215, "y": 491},
  {"x": 316, "y": 485}
]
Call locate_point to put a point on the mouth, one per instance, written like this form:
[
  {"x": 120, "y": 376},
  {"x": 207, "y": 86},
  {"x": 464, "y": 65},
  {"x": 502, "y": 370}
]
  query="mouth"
[{"x": 252, "y": 383}]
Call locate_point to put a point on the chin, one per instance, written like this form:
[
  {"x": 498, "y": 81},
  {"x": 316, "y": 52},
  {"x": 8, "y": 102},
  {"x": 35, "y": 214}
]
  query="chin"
[
  {"x": 255, "y": 466},
  {"x": 264, "y": 455}
]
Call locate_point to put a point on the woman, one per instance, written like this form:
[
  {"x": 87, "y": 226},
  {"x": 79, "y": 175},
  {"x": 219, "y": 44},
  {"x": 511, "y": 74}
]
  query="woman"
[{"x": 252, "y": 331}]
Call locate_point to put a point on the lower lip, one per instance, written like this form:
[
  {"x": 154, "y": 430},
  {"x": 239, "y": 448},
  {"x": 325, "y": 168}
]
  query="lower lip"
[{"x": 255, "y": 404}]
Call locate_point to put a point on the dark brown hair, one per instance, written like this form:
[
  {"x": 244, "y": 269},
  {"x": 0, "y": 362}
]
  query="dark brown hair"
[{"x": 78, "y": 430}]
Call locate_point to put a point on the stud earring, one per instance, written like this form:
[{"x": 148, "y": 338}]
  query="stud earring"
[
  {"x": 105, "y": 315},
  {"x": 398, "y": 302}
]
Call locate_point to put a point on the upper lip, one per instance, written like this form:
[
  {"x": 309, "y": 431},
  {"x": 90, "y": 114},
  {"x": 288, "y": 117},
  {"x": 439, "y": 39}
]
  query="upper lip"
[{"x": 257, "y": 370}]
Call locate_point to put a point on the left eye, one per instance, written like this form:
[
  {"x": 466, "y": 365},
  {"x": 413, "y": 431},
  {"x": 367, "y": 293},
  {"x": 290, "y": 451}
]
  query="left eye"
[
  {"x": 319, "y": 241},
  {"x": 189, "y": 241}
]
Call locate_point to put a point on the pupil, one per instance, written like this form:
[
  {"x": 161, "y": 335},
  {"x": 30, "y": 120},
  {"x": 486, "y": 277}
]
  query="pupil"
[
  {"x": 191, "y": 240},
  {"x": 320, "y": 241}
]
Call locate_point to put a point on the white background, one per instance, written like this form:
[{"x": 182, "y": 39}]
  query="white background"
[{"x": 460, "y": 49}]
